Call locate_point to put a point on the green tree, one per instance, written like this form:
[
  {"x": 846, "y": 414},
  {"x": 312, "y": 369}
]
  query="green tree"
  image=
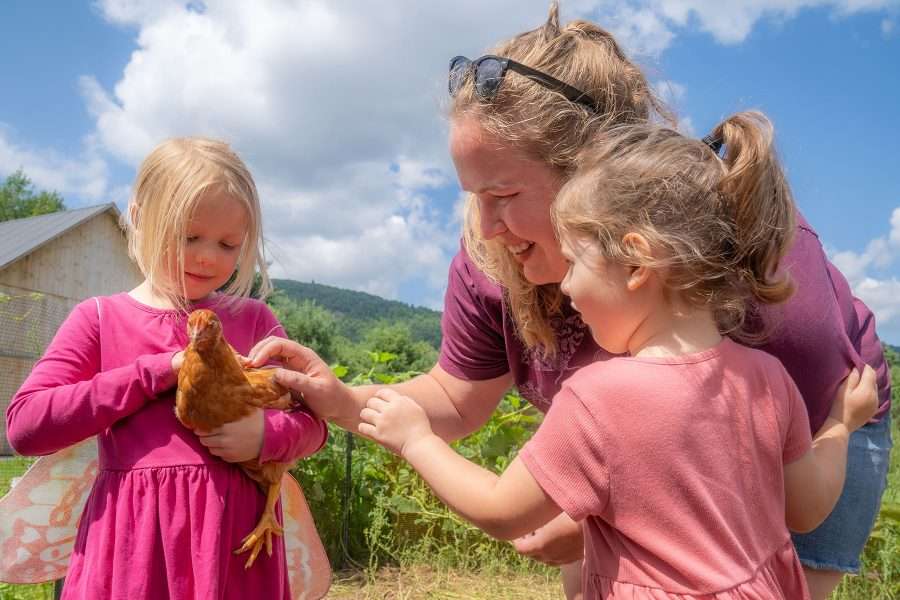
[
  {"x": 307, "y": 323},
  {"x": 18, "y": 199}
]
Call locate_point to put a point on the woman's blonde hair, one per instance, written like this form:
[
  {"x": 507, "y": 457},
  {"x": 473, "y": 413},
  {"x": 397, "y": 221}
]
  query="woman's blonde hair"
[
  {"x": 169, "y": 184},
  {"x": 545, "y": 125},
  {"x": 717, "y": 228}
]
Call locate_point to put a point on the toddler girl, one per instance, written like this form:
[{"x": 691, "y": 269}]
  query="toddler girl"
[
  {"x": 166, "y": 513},
  {"x": 687, "y": 456}
]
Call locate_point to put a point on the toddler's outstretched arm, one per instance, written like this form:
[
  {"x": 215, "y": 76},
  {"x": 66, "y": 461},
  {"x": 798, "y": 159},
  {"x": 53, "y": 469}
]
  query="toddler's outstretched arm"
[
  {"x": 814, "y": 482},
  {"x": 505, "y": 507}
]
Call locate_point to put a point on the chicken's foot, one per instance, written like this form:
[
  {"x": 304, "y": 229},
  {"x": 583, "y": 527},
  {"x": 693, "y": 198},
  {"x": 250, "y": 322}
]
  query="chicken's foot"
[{"x": 268, "y": 524}]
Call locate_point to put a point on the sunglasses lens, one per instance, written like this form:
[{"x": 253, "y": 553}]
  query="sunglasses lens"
[
  {"x": 458, "y": 68},
  {"x": 488, "y": 75}
]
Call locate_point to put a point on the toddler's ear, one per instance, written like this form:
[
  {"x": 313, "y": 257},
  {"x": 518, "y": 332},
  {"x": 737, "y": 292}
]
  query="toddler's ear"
[{"x": 638, "y": 247}]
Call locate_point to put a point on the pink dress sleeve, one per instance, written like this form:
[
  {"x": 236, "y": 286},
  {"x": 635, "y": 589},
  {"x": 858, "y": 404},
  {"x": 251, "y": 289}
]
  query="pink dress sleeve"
[
  {"x": 67, "y": 399},
  {"x": 287, "y": 436},
  {"x": 566, "y": 459}
]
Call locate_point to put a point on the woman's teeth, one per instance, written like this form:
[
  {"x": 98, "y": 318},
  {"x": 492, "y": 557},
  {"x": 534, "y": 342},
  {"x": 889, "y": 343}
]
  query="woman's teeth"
[{"x": 520, "y": 248}]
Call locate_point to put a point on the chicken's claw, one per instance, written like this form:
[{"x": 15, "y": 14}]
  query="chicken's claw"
[{"x": 268, "y": 524}]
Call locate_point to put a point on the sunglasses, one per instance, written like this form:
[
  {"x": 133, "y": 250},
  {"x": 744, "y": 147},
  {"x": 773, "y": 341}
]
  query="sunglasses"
[{"x": 490, "y": 70}]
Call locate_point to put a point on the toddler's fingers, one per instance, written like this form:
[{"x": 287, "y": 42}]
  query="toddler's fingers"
[
  {"x": 868, "y": 377},
  {"x": 367, "y": 430},
  {"x": 368, "y": 415},
  {"x": 376, "y": 403},
  {"x": 387, "y": 394}
]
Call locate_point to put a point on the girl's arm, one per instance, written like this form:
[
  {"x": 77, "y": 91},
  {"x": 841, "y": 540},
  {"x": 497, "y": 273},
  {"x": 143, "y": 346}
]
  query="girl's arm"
[
  {"x": 66, "y": 398},
  {"x": 814, "y": 482},
  {"x": 505, "y": 507}
]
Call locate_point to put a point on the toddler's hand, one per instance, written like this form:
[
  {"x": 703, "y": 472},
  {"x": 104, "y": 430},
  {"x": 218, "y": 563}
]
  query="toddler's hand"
[
  {"x": 177, "y": 361},
  {"x": 394, "y": 421},
  {"x": 856, "y": 400}
]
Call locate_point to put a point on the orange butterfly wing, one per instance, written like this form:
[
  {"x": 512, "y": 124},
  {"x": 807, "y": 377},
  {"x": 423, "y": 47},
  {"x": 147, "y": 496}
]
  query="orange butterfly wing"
[
  {"x": 39, "y": 516},
  {"x": 307, "y": 563}
]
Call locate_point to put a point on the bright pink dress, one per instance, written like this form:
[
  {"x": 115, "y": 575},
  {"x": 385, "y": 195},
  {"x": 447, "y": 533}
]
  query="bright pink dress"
[
  {"x": 164, "y": 515},
  {"x": 675, "y": 466}
]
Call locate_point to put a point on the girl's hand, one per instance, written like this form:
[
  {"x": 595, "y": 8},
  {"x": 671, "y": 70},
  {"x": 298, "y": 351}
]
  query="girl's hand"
[
  {"x": 236, "y": 441},
  {"x": 394, "y": 421},
  {"x": 856, "y": 400},
  {"x": 177, "y": 361}
]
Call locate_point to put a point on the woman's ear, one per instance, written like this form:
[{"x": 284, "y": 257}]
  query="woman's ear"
[{"x": 640, "y": 249}]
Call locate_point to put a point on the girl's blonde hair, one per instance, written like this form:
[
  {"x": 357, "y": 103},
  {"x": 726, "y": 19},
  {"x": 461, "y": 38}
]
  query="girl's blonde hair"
[
  {"x": 546, "y": 126},
  {"x": 717, "y": 227},
  {"x": 169, "y": 184}
]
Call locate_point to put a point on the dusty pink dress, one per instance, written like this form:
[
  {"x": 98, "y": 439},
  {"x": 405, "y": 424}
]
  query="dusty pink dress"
[
  {"x": 164, "y": 514},
  {"x": 675, "y": 465}
]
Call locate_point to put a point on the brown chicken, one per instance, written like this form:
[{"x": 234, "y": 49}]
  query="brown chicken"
[{"x": 214, "y": 389}]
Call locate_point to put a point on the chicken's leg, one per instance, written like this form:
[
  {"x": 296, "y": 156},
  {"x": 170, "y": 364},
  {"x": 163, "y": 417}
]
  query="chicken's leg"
[{"x": 268, "y": 524}]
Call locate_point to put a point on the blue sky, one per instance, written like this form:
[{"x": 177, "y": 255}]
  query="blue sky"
[{"x": 337, "y": 108}]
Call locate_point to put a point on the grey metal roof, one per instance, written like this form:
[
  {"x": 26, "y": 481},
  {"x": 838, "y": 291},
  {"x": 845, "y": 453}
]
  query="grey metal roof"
[{"x": 20, "y": 237}]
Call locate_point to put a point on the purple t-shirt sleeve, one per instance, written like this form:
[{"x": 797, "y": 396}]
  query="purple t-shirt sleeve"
[
  {"x": 565, "y": 457},
  {"x": 66, "y": 398},
  {"x": 287, "y": 436},
  {"x": 473, "y": 346},
  {"x": 813, "y": 332}
]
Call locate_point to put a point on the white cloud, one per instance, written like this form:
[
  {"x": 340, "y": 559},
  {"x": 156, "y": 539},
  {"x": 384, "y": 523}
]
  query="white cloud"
[
  {"x": 85, "y": 176},
  {"x": 337, "y": 108},
  {"x": 881, "y": 295}
]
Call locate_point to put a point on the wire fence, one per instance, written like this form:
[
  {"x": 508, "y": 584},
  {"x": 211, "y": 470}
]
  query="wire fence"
[{"x": 28, "y": 321}]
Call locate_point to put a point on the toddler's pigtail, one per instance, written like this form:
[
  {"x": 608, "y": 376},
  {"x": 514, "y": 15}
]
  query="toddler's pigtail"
[{"x": 755, "y": 187}]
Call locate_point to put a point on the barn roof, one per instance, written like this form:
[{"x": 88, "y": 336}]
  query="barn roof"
[{"x": 20, "y": 237}]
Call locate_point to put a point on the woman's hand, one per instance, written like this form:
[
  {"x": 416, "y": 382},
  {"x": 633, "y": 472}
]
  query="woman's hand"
[
  {"x": 236, "y": 441},
  {"x": 856, "y": 400},
  {"x": 395, "y": 421},
  {"x": 307, "y": 374},
  {"x": 558, "y": 542}
]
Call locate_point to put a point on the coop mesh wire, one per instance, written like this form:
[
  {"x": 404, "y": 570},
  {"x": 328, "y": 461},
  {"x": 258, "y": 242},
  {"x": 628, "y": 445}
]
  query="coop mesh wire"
[{"x": 28, "y": 321}]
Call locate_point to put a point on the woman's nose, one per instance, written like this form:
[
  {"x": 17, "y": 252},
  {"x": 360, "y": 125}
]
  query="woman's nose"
[{"x": 491, "y": 222}]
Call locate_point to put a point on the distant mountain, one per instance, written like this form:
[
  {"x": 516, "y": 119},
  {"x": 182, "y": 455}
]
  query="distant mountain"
[{"x": 359, "y": 310}]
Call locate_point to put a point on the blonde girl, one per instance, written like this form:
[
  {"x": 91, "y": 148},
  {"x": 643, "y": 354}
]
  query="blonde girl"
[
  {"x": 166, "y": 511},
  {"x": 685, "y": 454}
]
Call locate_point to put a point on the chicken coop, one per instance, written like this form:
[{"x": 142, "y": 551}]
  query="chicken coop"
[{"x": 48, "y": 264}]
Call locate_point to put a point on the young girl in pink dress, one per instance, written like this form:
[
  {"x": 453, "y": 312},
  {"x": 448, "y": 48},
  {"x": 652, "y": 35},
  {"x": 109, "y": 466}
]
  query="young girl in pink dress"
[
  {"x": 166, "y": 512},
  {"x": 686, "y": 456}
]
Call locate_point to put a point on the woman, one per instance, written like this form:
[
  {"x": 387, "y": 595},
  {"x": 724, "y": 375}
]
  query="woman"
[{"x": 517, "y": 121}]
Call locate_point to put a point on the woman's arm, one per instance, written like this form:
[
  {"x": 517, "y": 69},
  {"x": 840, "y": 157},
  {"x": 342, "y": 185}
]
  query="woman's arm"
[
  {"x": 454, "y": 406},
  {"x": 814, "y": 482},
  {"x": 505, "y": 507}
]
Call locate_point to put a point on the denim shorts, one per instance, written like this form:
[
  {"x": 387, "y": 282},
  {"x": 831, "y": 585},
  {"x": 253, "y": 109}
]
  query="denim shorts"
[{"x": 837, "y": 543}]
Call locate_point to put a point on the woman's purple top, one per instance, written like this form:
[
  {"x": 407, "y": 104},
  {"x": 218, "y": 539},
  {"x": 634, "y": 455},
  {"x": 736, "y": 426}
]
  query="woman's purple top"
[{"x": 819, "y": 334}]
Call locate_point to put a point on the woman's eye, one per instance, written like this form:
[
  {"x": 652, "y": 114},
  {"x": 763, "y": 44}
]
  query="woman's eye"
[
  {"x": 192, "y": 238},
  {"x": 228, "y": 246}
]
